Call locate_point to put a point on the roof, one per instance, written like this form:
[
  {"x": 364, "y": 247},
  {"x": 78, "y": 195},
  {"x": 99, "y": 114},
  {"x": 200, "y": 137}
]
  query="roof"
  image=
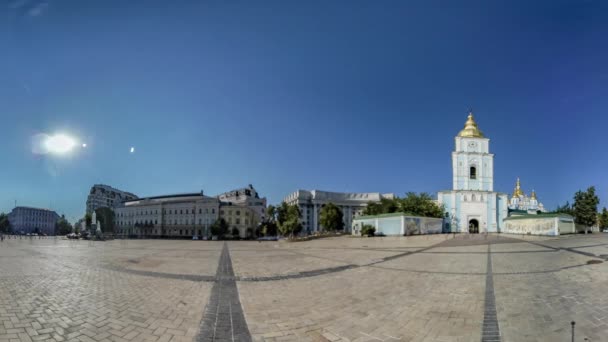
[
  {"x": 168, "y": 197},
  {"x": 33, "y": 208},
  {"x": 367, "y": 217},
  {"x": 541, "y": 215}
]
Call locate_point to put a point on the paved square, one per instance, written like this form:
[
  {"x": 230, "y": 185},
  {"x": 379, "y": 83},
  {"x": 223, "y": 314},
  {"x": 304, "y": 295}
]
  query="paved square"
[{"x": 423, "y": 288}]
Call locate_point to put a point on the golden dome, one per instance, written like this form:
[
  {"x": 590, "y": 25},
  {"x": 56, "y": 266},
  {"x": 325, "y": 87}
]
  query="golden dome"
[
  {"x": 517, "y": 191},
  {"x": 470, "y": 129},
  {"x": 533, "y": 196}
]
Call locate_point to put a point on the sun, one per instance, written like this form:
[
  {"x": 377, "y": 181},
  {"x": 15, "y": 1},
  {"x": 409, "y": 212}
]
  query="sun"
[{"x": 59, "y": 144}]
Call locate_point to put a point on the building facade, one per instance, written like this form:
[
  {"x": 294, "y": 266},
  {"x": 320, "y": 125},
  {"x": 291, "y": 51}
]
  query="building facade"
[
  {"x": 244, "y": 219},
  {"x": 191, "y": 214},
  {"x": 245, "y": 197},
  {"x": 181, "y": 215},
  {"x": 102, "y": 195},
  {"x": 472, "y": 205},
  {"x": 311, "y": 202},
  {"x": 25, "y": 220},
  {"x": 399, "y": 224},
  {"x": 520, "y": 201}
]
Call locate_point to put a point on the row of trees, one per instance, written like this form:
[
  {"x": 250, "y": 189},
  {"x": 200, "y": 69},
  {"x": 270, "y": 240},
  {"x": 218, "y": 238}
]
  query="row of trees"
[
  {"x": 585, "y": 210},
  {"x": 415, "y": 204}
]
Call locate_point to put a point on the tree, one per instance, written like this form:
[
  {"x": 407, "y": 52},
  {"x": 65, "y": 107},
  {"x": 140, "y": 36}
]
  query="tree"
[
  {"x": 219, "y": 228},
  {"x": 368, "y": 230},
  {"x": 385, "y": 206},
  {"x": 331, "y": 217},
  {"x": 565, "y": 209},
  {"x": 603, "y": 219},
  {"x": 420, "y": 205},
  {"x": 268, "y": 227},
  {"x": 585, "y": 207},
  {"x": 5, "y": 225},
  {"x": 105, "y": 216},
  {"x": 288, "y": 219},
  {"x": 235, "y": 232},
  {"x": 88, "y": 219},
  {"x": 62, "y": 226},
  {"x": 414, "y": 204}
]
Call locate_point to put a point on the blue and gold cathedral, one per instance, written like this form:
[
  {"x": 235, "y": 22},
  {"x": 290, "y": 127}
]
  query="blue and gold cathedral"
[{"x": 472, "y": 205}]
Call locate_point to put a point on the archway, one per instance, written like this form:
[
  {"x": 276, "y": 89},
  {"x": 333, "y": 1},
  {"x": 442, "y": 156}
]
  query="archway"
[{"x": 473, "y": 226}]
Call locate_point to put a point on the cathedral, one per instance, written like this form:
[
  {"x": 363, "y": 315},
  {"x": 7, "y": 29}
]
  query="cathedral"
[
  {"x": 519, "y": 201},
  {"x": 472, "y": 206}
]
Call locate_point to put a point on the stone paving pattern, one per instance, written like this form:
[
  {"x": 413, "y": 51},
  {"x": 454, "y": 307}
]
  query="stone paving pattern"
[{"x": 423, "y": 288}]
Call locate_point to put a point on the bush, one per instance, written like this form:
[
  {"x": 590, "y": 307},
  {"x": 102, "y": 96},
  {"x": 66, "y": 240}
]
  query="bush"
[
  {"x": 368, "y": 230},
  {"x": 235, "y": 232}
]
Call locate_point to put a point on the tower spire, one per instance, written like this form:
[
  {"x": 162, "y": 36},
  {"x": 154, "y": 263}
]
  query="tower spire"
[
  {"x": 517, "y": 191},
  {"x": 470, "y": 129}
]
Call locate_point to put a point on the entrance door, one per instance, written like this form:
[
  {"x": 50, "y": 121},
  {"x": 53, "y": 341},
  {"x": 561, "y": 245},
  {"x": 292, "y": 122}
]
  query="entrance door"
[{"x": 473, "y": 226}]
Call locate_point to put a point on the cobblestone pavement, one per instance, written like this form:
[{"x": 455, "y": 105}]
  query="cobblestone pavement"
[{"x": 424, "y": 288}]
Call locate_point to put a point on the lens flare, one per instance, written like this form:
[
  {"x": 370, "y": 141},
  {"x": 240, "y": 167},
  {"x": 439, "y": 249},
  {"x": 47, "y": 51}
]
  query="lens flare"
[{"x": 59, "y": 144}]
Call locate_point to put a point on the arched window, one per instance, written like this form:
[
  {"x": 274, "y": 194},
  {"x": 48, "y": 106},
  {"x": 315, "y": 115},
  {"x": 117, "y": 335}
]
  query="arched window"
[{"x": 473, "y": 172}]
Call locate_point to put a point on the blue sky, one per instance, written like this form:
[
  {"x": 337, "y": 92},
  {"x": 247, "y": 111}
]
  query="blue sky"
[{"x": 286, "y": 95}]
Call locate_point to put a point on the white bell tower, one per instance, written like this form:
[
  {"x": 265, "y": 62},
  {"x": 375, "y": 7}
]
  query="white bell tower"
[{"x": 472, "y": 162}]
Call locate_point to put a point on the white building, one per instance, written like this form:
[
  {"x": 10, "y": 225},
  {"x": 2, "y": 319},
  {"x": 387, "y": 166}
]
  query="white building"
[
  {"x": 106, "y": 196},
  {"x": 520, "y": 201},
  {"x": 351, "y": 204},
  {"x": 181, "y": 215},
  {"x": 399, "y": 224},
  {"x": 33, "y": 220},
  {"x": 472, "y": 205}
]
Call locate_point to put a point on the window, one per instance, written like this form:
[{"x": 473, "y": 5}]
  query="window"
[
  {"x": 186, "y": 211},
  {"x": 213, "y": 211},
  {"x": 200, "y": 211},
  {"x": 181, "y": 211},
  {"x": 238, "y": 220},
  {"x": 473, "y": 173}
]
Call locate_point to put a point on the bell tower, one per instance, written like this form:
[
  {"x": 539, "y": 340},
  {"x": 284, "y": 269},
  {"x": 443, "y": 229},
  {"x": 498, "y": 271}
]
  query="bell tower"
[{"x": 472, "y": 162}]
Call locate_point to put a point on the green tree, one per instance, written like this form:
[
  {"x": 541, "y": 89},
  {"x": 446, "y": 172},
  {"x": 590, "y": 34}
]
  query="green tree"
[
  {"x": 62, "y": 226},
  {"x": 565, "y": 209},
  {"x": 415, "y": 204},
  {"x": 235, "y": 232},
  {"x": 368, "y": 230},
  {"x": 219, "y": 228},
  {"x": 603, "y": 219},
  {"x": 88, "y": 219},
  {"x": 5, "y": 225},
  {"x": 585, "y": 207},
  {"x": 420, "y": 205},
  {"x": 268, "y": 227},
  {"x": 288, "y": 219},
  {"x": 331, "y": 217},
  {"x": 105, "y": 216}
]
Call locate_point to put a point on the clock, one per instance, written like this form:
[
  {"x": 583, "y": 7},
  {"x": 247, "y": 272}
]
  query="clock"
[{"x": 472, "y": 144}]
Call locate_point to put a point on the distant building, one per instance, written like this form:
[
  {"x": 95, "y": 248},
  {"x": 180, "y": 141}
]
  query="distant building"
[
  {"x": 311, "y": 202},
  {"x": 180, "y": 215},
  {"x": 243, "y": 218},
  {"x": 106, "y": 196},
  {"x": 185, "y": 215},
  {"x": 520, "y": 201},
  {"x": 33, "y": 220},
  {"x": 248, "y": 197}
]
